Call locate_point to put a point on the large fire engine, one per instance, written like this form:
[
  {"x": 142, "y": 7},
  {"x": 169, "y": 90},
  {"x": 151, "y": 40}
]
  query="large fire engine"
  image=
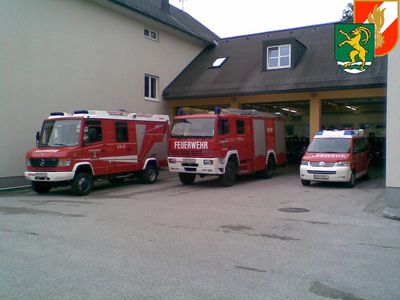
[
  {"x": 91, "y": 144},
  {"x": 226, "y": 143}
]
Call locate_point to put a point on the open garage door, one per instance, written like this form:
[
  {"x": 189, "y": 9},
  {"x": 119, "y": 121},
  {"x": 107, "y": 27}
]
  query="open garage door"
[{"x": 368, "y": 114}]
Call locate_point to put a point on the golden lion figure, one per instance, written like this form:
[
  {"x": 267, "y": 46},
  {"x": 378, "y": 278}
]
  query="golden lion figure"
[{"x": 355, "y": 43}]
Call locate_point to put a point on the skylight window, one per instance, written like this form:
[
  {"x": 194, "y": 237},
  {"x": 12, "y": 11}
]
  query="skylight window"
[{"x": 219, "y": 62}]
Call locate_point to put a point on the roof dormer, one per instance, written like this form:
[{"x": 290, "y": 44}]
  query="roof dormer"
[{"x": 282, "y": 53}]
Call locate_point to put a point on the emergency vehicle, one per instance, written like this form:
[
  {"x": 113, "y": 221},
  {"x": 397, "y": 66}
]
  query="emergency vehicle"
[
  {"x": 338, "y": 156},
  {"x": 75, "y": 149},
  {"x": 226, "y": 143}
]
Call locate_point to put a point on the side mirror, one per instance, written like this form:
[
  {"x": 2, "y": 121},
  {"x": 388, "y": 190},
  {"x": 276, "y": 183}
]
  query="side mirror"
[{"x": 37, "y": 138}]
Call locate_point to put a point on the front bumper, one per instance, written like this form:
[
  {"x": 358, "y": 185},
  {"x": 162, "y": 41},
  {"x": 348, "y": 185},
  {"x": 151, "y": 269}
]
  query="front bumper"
[
  {"x": 49, "y": 176},
  {"x": 334, "y": 174},
  {"x": 206, "y": 166}
]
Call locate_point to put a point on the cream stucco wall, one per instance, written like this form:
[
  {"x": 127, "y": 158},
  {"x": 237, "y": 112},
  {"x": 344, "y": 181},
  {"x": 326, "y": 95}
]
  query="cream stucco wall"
[
  {"x": 63, "y": 55},
  {"x": 393, "y": 122},
  {"x": 392, "y": 192}
]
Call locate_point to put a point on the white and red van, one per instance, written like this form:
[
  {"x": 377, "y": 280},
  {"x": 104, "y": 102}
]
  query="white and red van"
[
  {"x": 337, "y": 156},
  {"x": 75, "y": 149},
  {"x": 226, "y": 143}
]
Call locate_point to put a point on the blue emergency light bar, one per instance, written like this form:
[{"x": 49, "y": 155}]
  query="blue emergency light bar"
[
  {"x": 217, "y": 110},
  {"x": 349, "y": 132},
  {"x": 57, "y": 113},
  {"x": 81, "y": 112}
]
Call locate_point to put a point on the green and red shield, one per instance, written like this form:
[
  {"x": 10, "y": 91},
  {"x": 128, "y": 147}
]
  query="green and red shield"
[{"x": 354, "y": 46}]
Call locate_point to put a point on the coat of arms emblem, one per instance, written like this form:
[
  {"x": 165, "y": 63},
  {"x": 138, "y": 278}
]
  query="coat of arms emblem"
[
  {"x": 354, "y": 46},
  {"x": 384, "y": 14}
]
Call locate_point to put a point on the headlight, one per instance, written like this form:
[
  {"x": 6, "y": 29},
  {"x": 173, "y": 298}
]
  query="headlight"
[
  {"x": 304, "y": 163},
  {"x": 208, "y": 161},
  {"x": 64, "y": 162},
  {"x": 28, "y": 162},
  {"x": 172, "y": 160},
  {"x": 342, "y": 164}
]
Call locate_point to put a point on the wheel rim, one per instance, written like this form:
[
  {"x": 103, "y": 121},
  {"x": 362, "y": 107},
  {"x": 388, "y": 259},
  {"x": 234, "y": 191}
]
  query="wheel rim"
[
  {"x": 84, "y": 184},
  {"x": 152, "y": 174}
]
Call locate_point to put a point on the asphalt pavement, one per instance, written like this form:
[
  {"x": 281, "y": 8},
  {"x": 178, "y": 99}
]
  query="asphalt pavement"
[{"x": 259, "y": 239}]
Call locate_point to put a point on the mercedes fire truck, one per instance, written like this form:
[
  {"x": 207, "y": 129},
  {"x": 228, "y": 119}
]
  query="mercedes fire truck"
[{"x": 75, "y": 149}]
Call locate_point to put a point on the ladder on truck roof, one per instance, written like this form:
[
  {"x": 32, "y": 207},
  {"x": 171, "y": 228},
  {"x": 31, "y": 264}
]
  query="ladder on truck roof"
[
  {"x": 247, "y": 112},
  {"x": 116, "y": 114}
]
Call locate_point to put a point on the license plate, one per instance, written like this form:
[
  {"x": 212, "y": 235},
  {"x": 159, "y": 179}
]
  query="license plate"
[
  {"x": 41, "y": 175},
  {"x": 321, "y": 176},
  {"x": 188, "y": 161}
]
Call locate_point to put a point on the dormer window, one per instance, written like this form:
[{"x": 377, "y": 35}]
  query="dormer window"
[
  {"x": 282, "y": 54},
  {"x": 278, "y": 57}
]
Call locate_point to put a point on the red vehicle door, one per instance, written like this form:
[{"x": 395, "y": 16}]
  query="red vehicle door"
[
  {"x": 357, "y": 156},
  {"x": 125, "y": 147},
  {"x": 97, "y": 148},
  {"x": 363, "y": 153},
  {"x": 244, "y": 142}
]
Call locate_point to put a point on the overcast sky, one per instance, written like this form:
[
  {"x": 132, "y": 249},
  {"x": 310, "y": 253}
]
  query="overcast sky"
[{"x": 229, "y": 18}]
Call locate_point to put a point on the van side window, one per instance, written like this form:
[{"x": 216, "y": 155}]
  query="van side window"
[
  {"x": 121, "y": 130},
  {"x": 364, "y": 144},
  {"x": 360, "y": 145},
  {"x": 92, "y": 132},
  {"x": 355, "y": 146},
  {"x": 239, "y": 126}
]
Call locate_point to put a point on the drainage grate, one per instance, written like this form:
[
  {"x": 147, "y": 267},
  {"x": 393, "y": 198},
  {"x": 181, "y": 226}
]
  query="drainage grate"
[{"x": 293, "y": 209}]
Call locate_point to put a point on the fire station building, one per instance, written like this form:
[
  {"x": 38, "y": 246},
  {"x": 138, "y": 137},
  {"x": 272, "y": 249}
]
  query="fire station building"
[
  {"x": 307, "y": 86},
  {"x": 293, "y": 72},
  {"x": 148, "y": 56}
]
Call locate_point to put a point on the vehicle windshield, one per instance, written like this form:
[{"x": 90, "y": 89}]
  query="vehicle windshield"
[
  {"x": 195, "y": 128},
  {"x": 331, "y": 145},
  {"x": 59, "y": 133}
]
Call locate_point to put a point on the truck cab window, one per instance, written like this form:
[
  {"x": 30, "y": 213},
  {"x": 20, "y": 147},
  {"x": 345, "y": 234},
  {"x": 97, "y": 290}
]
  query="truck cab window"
[
  {"x": 223, "y": 127},
  {"x": 60, "y": 133},
  {"x": 92, "y": 132}
]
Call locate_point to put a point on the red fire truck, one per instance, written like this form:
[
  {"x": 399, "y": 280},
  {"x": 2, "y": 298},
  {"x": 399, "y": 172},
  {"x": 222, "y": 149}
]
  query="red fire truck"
[
  {"x": 226, "y": 143},
  {"x": 91, "y": 144}
]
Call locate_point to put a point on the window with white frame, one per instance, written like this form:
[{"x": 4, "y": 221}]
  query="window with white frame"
[
  {"x": 151, "y": 34},
  {"x": 150, "y": 87},
  {"x": 278, "y": 57}
]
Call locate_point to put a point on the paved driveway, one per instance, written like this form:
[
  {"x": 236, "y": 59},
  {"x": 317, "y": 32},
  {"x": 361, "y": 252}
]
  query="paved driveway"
[{"x": 260, "y": 239}]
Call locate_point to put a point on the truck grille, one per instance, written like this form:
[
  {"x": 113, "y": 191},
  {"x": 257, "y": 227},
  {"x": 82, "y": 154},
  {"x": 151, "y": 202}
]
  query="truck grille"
[
  {"x": 186, "y": 153},
  {"x": 321, "y": 172},
  {"x": 44, "y": 162}
]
